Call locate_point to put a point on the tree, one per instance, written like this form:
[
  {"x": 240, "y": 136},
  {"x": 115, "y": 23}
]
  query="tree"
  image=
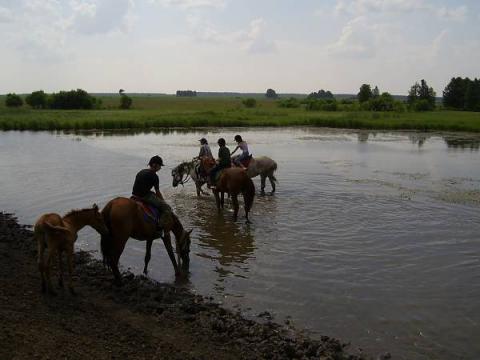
[
  {"x": 181, "y": 93},
  {"x": 321, "y": 95},
  {"x": 454, "y": 93},
  {"x": 365, "y": 93},
  {"x": 73, "y": 99},
  {"x": 376, "y": 92},
  {"x": 13, "y": 100},
  {"x": 472, "y": 95},
  {"x": 37, "y": 100},
  {"x": 271, "y": 94},
  {"x": 249, "y": 102},
  {"x": 125, "y": 102},
  {"x": 121, "y": 91},
  {"x": 421, "y": 92}
]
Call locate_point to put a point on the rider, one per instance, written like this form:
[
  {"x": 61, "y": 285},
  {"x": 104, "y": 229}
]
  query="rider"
[
  {"x": 224, "y": 160},
  {"x": 242, "y": 145},
  {"x": 145, "y": 180},
  {"x": 205, "y": 151}
]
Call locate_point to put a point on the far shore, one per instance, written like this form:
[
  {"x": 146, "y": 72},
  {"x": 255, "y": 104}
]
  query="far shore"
[{"x": 171, "y": 112}]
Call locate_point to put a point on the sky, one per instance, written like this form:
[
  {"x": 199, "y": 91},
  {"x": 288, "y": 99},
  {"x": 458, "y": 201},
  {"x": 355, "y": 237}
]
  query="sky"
[{"x": 292, "y": 46}]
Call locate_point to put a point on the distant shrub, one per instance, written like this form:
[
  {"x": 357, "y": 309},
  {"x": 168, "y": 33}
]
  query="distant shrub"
[
  {"x": 249, "y": 102},
  {"x": 422, "y": 105},
  {"x": 37, "y": 100},
  {"x": 321, "y": 105},
  {"x": 13, "y": 100},
  {"x": 289, "y": 103},
  {"x": 321, "y": 95},
  {"x": 73, "y": 99},
  {"x": 271, "y": 94},
  {"x": 187, "y": 93},
  {"x": 125, "y": 102}
]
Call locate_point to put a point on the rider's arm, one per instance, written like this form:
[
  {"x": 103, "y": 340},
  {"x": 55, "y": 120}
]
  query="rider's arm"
[
  {"x": 238, "y": 147},
  {"x": 158, "y": 193},
  {"x": 157, "y": 188}
]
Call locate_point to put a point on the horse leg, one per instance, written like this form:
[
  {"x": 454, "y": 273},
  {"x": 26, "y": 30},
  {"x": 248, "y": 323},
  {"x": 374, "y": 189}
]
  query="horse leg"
[
  {"x": 41, "y": 262},
  {"x": 203, "y": 191},
  {"x": 50, "y": 256},
  {"x": 199, "y": 189},
  {"x": 262, "y": 180},
  {"x": 148, "y": 254},
  {"x": 70, "y": 268},
  {"x": 235, "y": 206},
  {"x": 222, "y": 200},
  {"x": 217, "y": 200},
  {"x": 60, "y": 269},
  {"x": 118, "y": 250},
  {"x": 167, "y": 241},
  {"x": 272, "y": 182}
]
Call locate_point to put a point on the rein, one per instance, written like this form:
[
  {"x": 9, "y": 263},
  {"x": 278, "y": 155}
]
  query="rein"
[{"x": 187, "y": 177}]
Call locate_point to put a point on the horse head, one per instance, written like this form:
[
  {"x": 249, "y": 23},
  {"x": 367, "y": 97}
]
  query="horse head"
[
  {"x": 177, "y": 174},
  {"x": 97, "y": 221}
]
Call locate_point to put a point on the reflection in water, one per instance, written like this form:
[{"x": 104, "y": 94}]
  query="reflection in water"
[
  {"x": 463, "y": 143},
  {"x": 418, "y": 138}
]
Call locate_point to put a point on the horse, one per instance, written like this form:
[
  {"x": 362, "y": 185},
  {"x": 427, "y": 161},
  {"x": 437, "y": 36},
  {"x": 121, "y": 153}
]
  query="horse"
[
  {"x": 265, "y": 167},
  {"x": 187, "y": 170},
  {"x": 124, "y": 219},
  {"x": 59, "y": 234},
  {"x": 234, "y": 181}
]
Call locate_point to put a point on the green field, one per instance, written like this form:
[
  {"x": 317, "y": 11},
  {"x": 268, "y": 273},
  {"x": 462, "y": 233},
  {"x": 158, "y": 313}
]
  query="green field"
[{"x": 169, "y": 111}]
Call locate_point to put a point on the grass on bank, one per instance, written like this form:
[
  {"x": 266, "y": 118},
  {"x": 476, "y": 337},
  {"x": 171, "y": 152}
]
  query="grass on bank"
[{"x": 170, "y": 111}]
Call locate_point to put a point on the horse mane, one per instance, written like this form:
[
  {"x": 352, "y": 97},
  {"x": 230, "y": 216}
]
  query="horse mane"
[{"x": 75, "y": 212}]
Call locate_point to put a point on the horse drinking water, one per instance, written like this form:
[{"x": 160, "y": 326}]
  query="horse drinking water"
[{"x": 125, "y": 219}]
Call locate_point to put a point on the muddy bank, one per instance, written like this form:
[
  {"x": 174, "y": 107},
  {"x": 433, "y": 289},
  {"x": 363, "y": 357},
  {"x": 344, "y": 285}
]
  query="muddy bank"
[{"x": 141, "y": 320}]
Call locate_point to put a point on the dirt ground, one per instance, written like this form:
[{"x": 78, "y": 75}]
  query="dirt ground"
[{"x": 140, "y": 320}]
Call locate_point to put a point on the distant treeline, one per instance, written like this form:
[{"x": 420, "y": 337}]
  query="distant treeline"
[
  {"x": 462, "y": 94},
  {"x": 186, "y": 93},
  {"x": 73, "y": 99}
]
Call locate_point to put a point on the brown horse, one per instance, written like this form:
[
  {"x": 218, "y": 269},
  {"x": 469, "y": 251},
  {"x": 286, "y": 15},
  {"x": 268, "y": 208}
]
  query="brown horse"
[
  {"x": 124, "y": 219},
  {"x": 234, "y": 181},
  {"x": 58, "y": 234}
]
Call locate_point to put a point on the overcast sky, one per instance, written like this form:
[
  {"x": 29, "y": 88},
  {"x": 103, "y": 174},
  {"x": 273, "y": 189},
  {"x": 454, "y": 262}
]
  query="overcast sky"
[{"x": 236, "y": 45}]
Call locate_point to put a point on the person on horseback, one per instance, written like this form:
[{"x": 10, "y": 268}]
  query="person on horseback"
[
  {"x": 205, "y": 156},
  {"x": 224, "y": 161},
  {"x": 144, "y": 181},
  {"x": 242, "y": 145}
]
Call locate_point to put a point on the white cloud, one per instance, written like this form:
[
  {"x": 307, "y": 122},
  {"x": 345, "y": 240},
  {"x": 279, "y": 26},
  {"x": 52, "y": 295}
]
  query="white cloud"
[
  {"x": 254, "y": 39},
  {"x": 189, "y": 4},
  {"x": 5, "y": 15},
  {"x": 362, "y": 7}
]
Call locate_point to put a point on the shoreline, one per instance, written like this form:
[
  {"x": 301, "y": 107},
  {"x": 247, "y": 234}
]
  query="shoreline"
[{"x": 141, "y": 319}]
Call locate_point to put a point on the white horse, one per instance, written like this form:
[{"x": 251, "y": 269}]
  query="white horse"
[
  {"x": 189, "y": 170},
  {"x": 263, "y": 166}
]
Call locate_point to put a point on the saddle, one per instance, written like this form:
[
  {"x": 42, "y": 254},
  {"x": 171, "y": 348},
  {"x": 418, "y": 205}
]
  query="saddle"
[
  {"x": 246, "y": 162},
  {"x": 150, "y": 213}
]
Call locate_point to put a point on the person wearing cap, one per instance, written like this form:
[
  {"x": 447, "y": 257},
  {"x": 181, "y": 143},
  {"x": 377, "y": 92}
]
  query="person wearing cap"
[
  {"x": 224, "y": 161},
  {"x": 242, "y": 145},
  {"x": 205, "y": 151},
  {"x": 147, "y": 179}
]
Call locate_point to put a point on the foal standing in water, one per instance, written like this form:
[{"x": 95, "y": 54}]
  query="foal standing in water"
[{"x": 59, "y": 234}]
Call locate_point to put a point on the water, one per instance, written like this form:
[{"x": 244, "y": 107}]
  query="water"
[{"x": 371, "y": 237}]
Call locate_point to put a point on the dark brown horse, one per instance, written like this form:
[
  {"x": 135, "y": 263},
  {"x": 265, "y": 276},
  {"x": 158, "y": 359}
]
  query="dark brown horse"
[
  {"x": 234, "y": 181},
  {"x": 125, "y": 219}
]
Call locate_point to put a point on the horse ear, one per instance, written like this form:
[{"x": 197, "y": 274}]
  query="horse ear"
[{"x": 95, "y": 207}]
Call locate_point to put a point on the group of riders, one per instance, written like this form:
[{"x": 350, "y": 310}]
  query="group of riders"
[{"x": 147, "y": 179}]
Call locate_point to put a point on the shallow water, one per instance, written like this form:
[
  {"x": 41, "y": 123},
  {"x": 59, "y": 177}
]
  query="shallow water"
[{"x": 371, "y": 237}]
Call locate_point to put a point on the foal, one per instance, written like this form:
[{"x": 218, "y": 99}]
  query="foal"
[{"x": 58, "y": 234}]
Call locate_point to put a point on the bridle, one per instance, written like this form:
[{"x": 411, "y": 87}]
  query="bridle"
[{"x": 188, "y": 168}]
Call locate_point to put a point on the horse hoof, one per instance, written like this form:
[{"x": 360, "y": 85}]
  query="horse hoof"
[
  {"x": 262, "y": 193},
  {"x": 272, "y": 193}
]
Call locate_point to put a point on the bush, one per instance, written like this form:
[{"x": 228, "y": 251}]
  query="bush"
[
  {"x": 324, "y": 105},
  {"x": 13, "y": 100},
  {"x": 37, "y": 100},
  {"x": 422, "y": 105},
  {"x": 249, "y": 103},
  {"x": 125, "y": 102},
  {"x": 289, "y": 103},
  {"x": 73, "y": 99}
]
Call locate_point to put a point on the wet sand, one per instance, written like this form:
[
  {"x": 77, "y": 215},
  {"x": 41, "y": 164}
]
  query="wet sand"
[{"x": 140, "y": 320}]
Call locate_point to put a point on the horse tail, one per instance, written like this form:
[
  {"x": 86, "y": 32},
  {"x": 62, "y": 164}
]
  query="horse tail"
[
  {"x": 248, "y": 194},
  {"x": 106, "y": 242},
  {"x": 55, "y": 228},
  {"x": 274, "y": 168}
]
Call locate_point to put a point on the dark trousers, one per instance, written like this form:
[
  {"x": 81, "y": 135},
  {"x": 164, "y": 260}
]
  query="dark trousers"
[{"x": 215, "y": 170}]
